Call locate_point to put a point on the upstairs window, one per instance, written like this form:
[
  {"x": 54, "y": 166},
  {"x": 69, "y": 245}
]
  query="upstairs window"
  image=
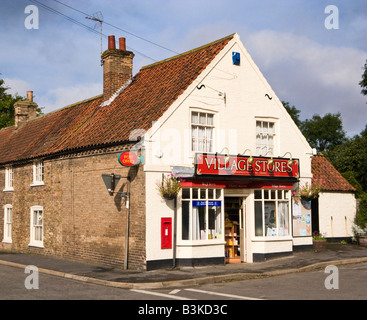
[
  {"x": 265, "y": 136},
  {"x": 202, "y": 132},
  {"x": 9, "y": 173},
  {"x": 38, "y": 173}
]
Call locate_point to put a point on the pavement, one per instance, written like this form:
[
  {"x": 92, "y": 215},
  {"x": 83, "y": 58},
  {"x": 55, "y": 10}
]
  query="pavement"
[{"x": 310, "y": 260}]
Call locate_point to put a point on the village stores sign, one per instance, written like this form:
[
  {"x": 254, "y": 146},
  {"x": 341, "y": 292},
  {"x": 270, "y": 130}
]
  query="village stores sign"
[{"x": 213, "y": 164}]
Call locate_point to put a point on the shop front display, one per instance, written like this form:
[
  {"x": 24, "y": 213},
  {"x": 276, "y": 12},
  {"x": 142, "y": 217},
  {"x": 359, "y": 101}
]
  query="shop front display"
[{"x": 236, "y": 201}]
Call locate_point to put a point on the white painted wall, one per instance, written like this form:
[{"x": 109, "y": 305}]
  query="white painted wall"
[
  {"x": 235, "y": 121},
  {"x": 336, "y": 214}
]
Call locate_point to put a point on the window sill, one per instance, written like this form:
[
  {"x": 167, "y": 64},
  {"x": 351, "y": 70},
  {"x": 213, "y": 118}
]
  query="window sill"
[
  {"x": 7, "y": 241},
  {"x": 8, "y": 190},
  {"x": 269, "y": 239},
  {"x": 199, "y": 243},
  {"x": 37, "y": 184},
  {"x": 36, "y": 245}
]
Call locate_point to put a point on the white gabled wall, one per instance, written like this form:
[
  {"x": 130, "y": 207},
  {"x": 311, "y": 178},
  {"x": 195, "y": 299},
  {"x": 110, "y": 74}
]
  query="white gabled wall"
[
  {"x": 244, "y": 88},
  {"x": 337, "y": 212},
  {"x": 236, "y": 95}
]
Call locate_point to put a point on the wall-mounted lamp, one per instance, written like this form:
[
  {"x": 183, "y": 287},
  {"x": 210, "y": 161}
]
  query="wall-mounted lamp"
[
  {"x": 227, "y": 157},
  {"x": 271, "y": 160},
  {"x": 290, "y": 161},
  {"x": 251, "y": 159}
]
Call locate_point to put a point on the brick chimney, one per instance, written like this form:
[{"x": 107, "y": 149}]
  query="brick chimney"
[
  {"x": 25, "y": 110},
  {"x": 117, "y": 67}
]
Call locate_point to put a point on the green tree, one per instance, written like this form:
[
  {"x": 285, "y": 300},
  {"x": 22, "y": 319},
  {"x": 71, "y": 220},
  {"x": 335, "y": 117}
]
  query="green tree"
[
  {"x": 293, "y": 112},
  {"x": 324, "y": 133},
  {"x": 361, "y": 218},
  {"x": 7, "y": 102},
  {"x": 363, "y": 83},
  {"x": 351, "y": 157},
  {"x": 7, "y": 106}
]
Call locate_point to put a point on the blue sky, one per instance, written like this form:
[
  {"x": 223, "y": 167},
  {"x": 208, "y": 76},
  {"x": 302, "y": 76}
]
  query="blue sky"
[{"x": 314, "y": 68}]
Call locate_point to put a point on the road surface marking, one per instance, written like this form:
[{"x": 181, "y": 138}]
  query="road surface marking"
[
  {"x": 175, "y": 291},
  {"x": 223, "y": 294},
  {"x": 160, "y": 294}
]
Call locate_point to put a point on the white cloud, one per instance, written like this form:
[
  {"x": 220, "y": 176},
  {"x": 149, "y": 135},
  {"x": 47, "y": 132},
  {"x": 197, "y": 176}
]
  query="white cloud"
[
  {"x": 17, "y": 87},
  {"x": 63, "y": 96},
  {"x": 313, "y": 77}
]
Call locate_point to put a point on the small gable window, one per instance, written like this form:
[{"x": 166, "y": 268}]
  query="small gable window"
[
  {"x": 202, "y": 132},
  {"x": 265, "y": 136}
]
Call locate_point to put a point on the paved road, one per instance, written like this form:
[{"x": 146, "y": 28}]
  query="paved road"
[{"x": 351, "y": 280}]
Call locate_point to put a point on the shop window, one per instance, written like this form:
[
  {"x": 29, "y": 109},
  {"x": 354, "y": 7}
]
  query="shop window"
[
  {"x": 265, "y": 136},
  {"x": 272, "y": 213},
  {"x": 202, "y": 131},
  {"x": 8, "y": 217},
  {"x": 202, "y": 214},
  {"x": 185, "y": 220}
]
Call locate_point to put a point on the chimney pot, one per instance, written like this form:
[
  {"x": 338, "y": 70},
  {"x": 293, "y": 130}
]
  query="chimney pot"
[
  {"x": 111, "y": 42},
  {"x": 122, "y": 44},
  {"x": 25, "y": 110},
  {"x": 30, "y": 96}
]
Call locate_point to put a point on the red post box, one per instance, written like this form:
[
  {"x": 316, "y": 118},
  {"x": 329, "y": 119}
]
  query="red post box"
[{"x": 166, "y": 233}]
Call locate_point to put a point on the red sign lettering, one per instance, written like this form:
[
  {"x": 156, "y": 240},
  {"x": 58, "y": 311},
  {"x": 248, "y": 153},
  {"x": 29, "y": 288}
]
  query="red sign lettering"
[{"x": 207, "y": 164}]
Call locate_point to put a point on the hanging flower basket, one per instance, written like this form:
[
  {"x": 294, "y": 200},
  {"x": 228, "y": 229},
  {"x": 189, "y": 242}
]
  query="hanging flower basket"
[
  {"x": 168, "y": 196},
  {"x": 306, "y": 198},
  {"x": 308, "y": 192},
  {"x": 170, "y": 186}
]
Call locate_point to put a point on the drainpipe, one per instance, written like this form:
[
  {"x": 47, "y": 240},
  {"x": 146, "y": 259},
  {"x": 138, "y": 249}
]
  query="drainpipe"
[
  {"x": 174, "y": 232},
  {"x": 127, "y": 225}
]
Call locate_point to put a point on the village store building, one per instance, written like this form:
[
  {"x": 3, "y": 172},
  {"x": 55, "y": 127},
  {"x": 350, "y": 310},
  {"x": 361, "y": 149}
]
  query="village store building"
[{"x": 208, "y": 116}]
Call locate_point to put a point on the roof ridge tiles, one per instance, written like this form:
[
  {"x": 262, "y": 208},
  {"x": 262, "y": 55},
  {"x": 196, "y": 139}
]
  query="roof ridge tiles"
[{"x": 188, "y": 52}]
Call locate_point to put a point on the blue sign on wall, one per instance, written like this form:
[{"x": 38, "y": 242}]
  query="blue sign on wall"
[
  {"x": 215, "y": 203},
  {"x": 209, "y": 203},
  {"x": 199, "y": 203}
]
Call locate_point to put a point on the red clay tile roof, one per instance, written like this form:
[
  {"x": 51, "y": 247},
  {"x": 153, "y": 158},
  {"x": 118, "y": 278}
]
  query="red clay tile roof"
[
  {"x": 322, "y": 169},
  {"x": 87, "y": 125}
]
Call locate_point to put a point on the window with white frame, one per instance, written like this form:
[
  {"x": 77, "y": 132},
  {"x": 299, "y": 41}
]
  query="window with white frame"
[
  {"x": 265, "y": 136},
  {"x": 38, "y": 173},
  {"x": 9, "y": 173},
  {"x": 272, "y": 213},
  {"x": 8, "y": 217},
  {"x": 202, "y": 214},
  {"x": 36, "y": 226},
  {"x": 202, "y": 132}
]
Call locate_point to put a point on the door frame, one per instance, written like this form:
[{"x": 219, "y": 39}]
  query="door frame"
[{"x": 242, "y": 222}]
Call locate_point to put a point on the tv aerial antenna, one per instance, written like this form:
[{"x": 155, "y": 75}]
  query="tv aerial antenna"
[{"x": 98, "y": 18}]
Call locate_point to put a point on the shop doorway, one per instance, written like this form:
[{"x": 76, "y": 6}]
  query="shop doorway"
[
  {"x": 315, "y": 216},
  {"x": 234, "y": 229}
]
